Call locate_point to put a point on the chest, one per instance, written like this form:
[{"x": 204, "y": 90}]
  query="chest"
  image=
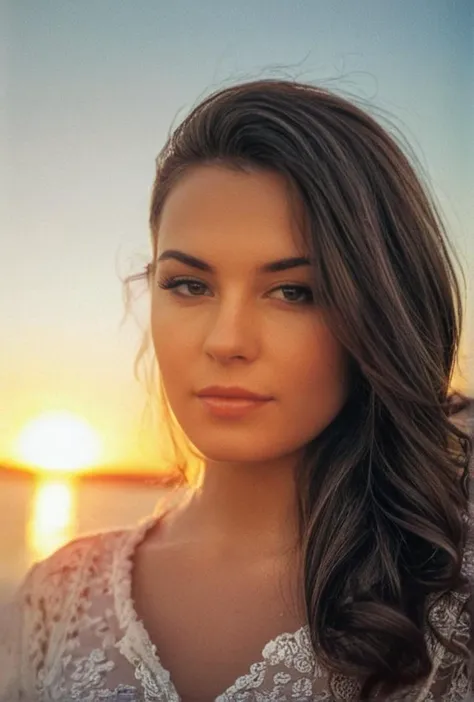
[{"x": 210, "y": 623}]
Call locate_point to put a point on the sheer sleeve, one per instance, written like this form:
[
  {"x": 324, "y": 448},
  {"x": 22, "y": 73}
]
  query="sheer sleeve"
[
  {"x": 22, "y": 641},
  {"x": 40, "y": 626},
  {"x": 452, "y": 678},
  {"x": 453, "y": 681},
  {"x": 455, "y": 675}
]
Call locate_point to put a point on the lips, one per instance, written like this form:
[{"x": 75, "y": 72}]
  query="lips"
[
  {"x": 231, "y": 407},
  {"x": 232, "y": 393}
]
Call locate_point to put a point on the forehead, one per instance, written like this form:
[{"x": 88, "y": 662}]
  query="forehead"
[{"x": 215, "y": 210}]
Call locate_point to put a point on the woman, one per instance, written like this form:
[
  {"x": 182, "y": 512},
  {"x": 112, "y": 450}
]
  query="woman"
[{"x": 305, "y": 318}]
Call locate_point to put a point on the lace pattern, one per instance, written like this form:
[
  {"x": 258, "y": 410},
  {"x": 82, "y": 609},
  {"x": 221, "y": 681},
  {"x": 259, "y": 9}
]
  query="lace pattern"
[{"x": 72, "y": 633}]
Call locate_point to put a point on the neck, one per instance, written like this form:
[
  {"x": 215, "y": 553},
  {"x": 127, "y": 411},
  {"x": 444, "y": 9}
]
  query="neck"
[{"x": 247, "y": 508}]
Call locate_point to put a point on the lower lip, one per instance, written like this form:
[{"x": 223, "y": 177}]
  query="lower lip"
[{"x": 231, "y": 407}]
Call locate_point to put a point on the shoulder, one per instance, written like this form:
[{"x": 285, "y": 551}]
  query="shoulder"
[
  {"x": 56, "y": 587},
  {"x": 57, "y": 593},
  {"x": 51, "y": 597},
  {"x": 81, "y": 568},
  {"x": 85, "y": 558}
]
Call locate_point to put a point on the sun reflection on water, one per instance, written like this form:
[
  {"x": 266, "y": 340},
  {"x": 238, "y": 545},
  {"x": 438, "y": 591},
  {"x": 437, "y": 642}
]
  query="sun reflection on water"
[{"x": 53, "y": 516}]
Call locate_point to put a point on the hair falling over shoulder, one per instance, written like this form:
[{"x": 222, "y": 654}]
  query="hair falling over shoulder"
[{"x": 383, "y": 491}]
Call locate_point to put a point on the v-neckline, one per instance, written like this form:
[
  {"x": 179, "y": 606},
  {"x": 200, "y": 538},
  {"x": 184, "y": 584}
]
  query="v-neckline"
[{"x": 136, "y": 644}]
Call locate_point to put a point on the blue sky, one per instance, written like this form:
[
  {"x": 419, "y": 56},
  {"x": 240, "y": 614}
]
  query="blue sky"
[{"x": 91, "y": 91}]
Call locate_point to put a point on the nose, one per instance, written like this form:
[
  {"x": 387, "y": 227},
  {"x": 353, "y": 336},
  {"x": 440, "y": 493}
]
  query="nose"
[{"x": 231, "y": 333}]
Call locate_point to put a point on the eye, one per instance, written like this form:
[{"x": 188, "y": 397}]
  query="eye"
[
  {"x": 173, "y": 283},
  {"x": 296, "y": 291}
]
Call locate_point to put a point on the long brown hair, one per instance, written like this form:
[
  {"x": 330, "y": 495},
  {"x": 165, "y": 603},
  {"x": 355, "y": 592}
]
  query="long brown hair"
[{"x": 383, "y": 491}]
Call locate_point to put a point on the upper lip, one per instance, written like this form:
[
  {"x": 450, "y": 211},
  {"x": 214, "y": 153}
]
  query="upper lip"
[{"x": 235, "y": 392}]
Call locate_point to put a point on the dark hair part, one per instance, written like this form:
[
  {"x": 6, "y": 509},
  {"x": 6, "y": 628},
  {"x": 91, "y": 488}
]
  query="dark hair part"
[{"x": 383, "y": 491}]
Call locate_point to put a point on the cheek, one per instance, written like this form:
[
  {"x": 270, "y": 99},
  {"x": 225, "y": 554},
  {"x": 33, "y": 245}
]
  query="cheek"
[
  {"x": 167, "y": 343},
  {"x": 319, "y": 380},
  {"x": 171, "y": 343}
]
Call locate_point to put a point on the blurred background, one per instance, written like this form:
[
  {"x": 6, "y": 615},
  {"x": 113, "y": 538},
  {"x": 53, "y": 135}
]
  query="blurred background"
[{"x": 90, "y": 91}]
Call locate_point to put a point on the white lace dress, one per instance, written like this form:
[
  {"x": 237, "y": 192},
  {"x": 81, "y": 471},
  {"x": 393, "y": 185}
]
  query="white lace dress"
[{"x": 72, "y": 634}]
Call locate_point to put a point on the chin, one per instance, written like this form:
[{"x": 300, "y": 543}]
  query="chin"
[
  {"x": 228, "y": 454},
  {"x": 239, "y": 449}
]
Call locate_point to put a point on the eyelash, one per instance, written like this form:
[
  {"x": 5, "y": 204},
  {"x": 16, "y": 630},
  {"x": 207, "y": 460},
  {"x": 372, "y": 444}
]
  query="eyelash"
[{"x": 174, "y": 282}]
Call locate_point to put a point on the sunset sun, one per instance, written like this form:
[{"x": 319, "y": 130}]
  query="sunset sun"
[{"x": 59, "y": 441}]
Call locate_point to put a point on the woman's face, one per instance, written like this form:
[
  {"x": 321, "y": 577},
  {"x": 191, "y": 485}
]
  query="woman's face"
[{"x": 237, "y": 325}]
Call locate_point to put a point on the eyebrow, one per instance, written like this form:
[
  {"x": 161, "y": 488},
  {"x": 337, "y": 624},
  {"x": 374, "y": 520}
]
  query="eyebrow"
[{"x": 282, "y": 264}]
